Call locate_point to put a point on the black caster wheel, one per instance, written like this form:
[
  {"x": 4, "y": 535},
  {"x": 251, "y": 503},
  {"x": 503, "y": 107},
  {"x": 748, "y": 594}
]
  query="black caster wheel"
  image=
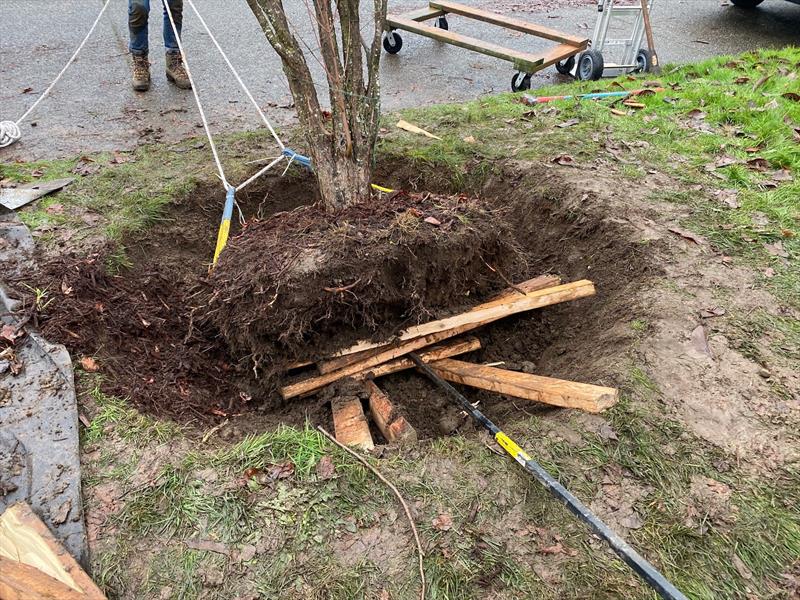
[
  {"x": 590, "y": 65},
  {"x": 643, "y": 61},
  {"x": 565, "y": 66},
  {"x": 520, "y": 82},
  {"x": 442, "y": 23},
  {"x": 392, "y": 42}
]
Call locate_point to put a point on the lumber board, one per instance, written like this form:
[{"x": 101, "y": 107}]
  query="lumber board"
[
  {"x": 523, "y": 61},
  {"x": 25, "y": 539},
  {"x": 19, "y": 581},
  {"x": 423, "y": 14},
  {"x": 531, "y": 285},
  {"x": 439, "y": 352},
  {"x": 394, "y": 426},
  {"x": 559, "y": 53},
  {"x": 547, "y": 390},
  {"x": 436, "y": 331},
  {"x": 350, "y": 423},
  {"x": 509, "y": 23}
]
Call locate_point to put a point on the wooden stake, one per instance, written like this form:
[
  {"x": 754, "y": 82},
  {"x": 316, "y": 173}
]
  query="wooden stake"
[
  {"x": 42, "y": 565},
  {"x": 556, "y": 392},
  {"x": 394, "y": 427},
  {"x": 460, "y": 346},
  {"x": 350, "y": 423},
  {"x": 436, "y": 331}
]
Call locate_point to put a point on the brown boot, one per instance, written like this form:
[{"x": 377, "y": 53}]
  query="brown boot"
[
  {"x": 176, "y": 72},
  {"x": 141, "y": 73}
]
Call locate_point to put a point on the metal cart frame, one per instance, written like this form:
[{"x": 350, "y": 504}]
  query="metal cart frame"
[
  {"x": 525, "y": 63},
  {"x": 634, "y": 57}
]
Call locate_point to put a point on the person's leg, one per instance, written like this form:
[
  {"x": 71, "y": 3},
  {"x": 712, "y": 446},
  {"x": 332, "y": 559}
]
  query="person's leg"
[
  {"x": 176, "y": 72},
  {"x": 138, "y": 11},
  {"x": 137, "y": 25},
  {"x": 176, "y": 7}
]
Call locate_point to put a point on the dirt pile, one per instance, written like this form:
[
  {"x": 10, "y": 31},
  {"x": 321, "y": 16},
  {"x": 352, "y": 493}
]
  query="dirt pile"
[{"x": 304, "y": 283}]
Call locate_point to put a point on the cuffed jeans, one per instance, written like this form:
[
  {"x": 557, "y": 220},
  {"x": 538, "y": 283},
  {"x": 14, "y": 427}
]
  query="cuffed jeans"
[{"x": 138, "y": 11}]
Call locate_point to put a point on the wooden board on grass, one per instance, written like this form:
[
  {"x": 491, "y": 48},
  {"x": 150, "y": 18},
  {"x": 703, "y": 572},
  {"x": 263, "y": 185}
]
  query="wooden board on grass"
[
  {"x": 556, "y": 392},
  {"x": 350, "y": 423}
]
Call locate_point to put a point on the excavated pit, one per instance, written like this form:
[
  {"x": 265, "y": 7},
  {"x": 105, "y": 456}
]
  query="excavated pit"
[{"x": 156, "y": 342}]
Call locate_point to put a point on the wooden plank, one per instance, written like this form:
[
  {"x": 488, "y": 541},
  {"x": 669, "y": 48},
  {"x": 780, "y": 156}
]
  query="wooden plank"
[
  {"x": 509, "y": 23},
  {"x": 436, "y": 331},
  {"x": 394, "y": 427},
  {"x": 423, "y": 14},
  {"x": 350, "y": 423},
  {"x": 455, "y": 348},
  {"x": 24, "y": 538},
  {"x": 19, "y": 581},
  {"x": 559, "y": 53},
  {"x": 532, "y": 285},
  {"x": 556, "y": 392},
  {"x": 528, "y": 63}
]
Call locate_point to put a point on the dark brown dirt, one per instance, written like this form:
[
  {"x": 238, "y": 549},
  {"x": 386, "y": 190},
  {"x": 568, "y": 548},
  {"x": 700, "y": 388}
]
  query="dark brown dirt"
[{"x": 303, "y": 284}]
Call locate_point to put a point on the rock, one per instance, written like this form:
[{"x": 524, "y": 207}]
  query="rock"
[{"x": 764, "y": 373}]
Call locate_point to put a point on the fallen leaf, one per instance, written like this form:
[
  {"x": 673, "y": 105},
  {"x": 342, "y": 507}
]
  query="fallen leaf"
[
  {"x": 406, "y": 126},
  {"x": 728, "y": 197},
  {"x": 619, "y": 113},
  {"x": 66, "y": 289},
  {"x": 281, "y": 471},
  {"x": 252, "y": 472},
  {"x": 754, "y": 149},
  {"x": 794, "y": 96},
  {"x": 741, "y": 80},
  {"x": 27, "y": 90},
  {"x": 758, "y": 164},
  {"x": 632, "y": 521},
  {"x": 688, "y": 235},
  {"x": 782, "y": 175},
  {"x": 761, "y": 82},
  {"x": 636, "y": 105},
  {"x": 433, "y": 221},
  {"x": 444, "y": 522},
  {"x": 721, "y": 162},
  {"x": 606, "y": 432},
  {"x": 708, "y": 313},
  {"x": 208, "y": 546},
  {"x": 776, "y": 249},
  {"x": 85, "y": 166},
  {"x": 89, "y": 364},
  {"x": 55, "y": 209},
  {"x": 564, "y": 160},
  {"x": 741, "y": 568},
  {"x": 787, "y": 233},
  {"x": 700, "y": 341},
  {"x": 569, "y": 123},
  {"x": 470, "y": 139},
  {"x": 554, "y": 549},
  {"x": 10, "y": 333},
  {"x": 769, "y": 272},
  {"x": 325, "y": 468}
]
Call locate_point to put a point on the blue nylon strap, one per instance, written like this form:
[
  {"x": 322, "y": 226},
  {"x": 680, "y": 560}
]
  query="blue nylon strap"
[
  {"x": 228, "y": 212},
  {"x": 294, "y": 156}
]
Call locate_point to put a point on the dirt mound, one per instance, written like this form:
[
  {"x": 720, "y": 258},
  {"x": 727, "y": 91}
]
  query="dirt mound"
[{"x": 304, "y": 283}]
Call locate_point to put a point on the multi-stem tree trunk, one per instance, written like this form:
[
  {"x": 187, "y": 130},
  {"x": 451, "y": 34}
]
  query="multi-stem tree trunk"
[{"x": 341, "y": 143}]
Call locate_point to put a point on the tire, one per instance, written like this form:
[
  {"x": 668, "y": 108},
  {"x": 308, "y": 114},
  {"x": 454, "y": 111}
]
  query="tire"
[
  {"x": 442, "y": 23},
  {"x": 746, "y": 4},
  {"x": 590, "y": 65},
  {"x": 520, "y": 82},
  {"x": 392, "y": 42},
  {"x": 643, "y": 61},
  {"x": 565, "y": 66}
]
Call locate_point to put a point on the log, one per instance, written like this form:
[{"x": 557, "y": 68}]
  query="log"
[
  {"x": 454, "y": 348},
  {"x": 436, "y": 331},
  {"x": 25, "y": 540},
  {"x": 394, "y": 427},
  {"x": 19, "y": 581},
  {"x": 532, "y": 285},
  {"x": 350, "y": 423},
  {"x": 556, "y": 392}
]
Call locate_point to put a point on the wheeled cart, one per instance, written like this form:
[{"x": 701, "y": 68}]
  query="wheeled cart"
[
  {"x": 593, "y": 64},
  {"x": 524, "y": 63}
]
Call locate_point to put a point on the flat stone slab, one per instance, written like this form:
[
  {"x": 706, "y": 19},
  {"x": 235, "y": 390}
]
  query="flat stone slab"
[{"x": 39, "y": 443}]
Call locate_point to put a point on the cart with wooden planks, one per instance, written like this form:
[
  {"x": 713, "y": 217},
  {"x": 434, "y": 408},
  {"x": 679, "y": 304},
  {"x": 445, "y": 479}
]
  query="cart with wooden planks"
[{"x": 525, "y": 63}]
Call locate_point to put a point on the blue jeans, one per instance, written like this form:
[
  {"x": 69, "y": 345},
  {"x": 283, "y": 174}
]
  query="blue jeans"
[{"x": 138, "y": 11}]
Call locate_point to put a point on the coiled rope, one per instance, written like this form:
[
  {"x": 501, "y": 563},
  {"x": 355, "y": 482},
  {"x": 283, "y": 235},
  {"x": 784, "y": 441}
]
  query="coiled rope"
[{"x": 9, "y": 130}]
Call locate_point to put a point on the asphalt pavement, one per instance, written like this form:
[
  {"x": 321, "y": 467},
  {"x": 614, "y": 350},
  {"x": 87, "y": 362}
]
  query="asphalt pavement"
[{"x": 94, "y": 108}]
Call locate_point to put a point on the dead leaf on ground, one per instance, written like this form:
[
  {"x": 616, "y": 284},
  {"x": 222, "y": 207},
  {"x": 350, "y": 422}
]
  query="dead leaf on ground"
[
  {"x": 636, "y": 105},
  {"x": 687, "y": 235},
  {"x": 410, "y": 127},
  {"x": 761, "y": 81},
  {"x": 741, "y": 80},
  {"x": 794, "y": 96},
  {"x": 721, "y": 162},
  {"x": 557, "y": 548},
  {"x": 758, "y": 164},
  {"x": 85, "y": 166},
  {"x": 741, "y": 568},
  {"x": 433, "y": 221},
  {"x": 281, "y": 471},
  {"x": 715, "y": 311},
  {"x": 619, "y": 113},
  {"x": 565, "y": 160},
  {"x": 569, "y": 123},
  {"x": 10, "y": 333},
  {"x": 325, "y": 468},
  {"x": 208, "y": 546},
  {"x": 444, "y": 522},
  {"x": 776, "y": 249},
  {"x": 769, "y": 272},
  {"x": 89, "y": 364},
  {"x": 700, "y": 341},
  {"x": 66, "y": 289},
  {"x": 470, "y": 139},
  {"x": 728, "y": 197},
  {"x": 27, "y": 90},
  {"x": 782, "y": 175}
]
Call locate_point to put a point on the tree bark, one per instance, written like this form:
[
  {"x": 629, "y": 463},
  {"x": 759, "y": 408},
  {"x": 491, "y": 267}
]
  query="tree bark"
[{"x": 341, "y": 143}]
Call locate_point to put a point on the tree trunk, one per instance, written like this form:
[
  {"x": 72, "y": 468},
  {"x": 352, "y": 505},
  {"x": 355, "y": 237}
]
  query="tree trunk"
[{"x": 340, "y": 142}]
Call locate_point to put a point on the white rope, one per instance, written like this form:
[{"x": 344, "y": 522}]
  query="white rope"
[
  {"x": 9, "y": 130},
  {"x": 236, "y": 75}
]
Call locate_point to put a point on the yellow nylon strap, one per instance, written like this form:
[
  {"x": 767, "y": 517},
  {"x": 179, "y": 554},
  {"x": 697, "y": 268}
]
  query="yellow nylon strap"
[
  {"x": 222, "y": 238},
  {"x": 381, "y": 189}
]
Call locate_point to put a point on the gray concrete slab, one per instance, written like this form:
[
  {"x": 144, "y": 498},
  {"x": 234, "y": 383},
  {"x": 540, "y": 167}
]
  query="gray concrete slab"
[{"x": 93, "y": 107}]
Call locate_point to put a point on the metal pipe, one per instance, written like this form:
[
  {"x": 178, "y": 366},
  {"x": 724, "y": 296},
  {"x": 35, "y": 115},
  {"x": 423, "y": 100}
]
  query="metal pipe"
[{"x": 636, "y": 561}]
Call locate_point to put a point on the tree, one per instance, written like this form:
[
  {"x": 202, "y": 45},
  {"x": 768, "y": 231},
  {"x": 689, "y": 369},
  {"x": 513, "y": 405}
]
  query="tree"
[{"x": 341, "y": 143}]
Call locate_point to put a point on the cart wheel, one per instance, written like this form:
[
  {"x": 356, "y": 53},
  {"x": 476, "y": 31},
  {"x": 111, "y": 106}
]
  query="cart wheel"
[
  {"x": 392, "y": 42},
  {"x": 565, "y": 66},
  {"x": 442, "y": 23},
  {"x": 590, "y": 65},
  {"x": 643, "y": 61},
  {"x": 520, "y": 82}
]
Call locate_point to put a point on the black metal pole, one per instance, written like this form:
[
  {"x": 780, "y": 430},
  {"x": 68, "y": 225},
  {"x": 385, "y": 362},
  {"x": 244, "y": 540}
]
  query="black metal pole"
[{"x": 636, "y": 561}]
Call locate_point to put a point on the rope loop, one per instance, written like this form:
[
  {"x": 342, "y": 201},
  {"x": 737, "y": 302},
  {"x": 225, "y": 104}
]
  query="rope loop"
[{"x": 9, "y": 133}]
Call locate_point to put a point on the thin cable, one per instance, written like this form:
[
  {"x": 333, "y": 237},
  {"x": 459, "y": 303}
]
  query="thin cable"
[
  {"x": 197, "y": 98},
  {"x": 9, "y": 130},
  {"x": 236, "y": 75}
]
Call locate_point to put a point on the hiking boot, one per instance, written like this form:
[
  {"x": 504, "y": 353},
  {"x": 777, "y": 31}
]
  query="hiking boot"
[
  {"x": 141, "y": 73},
  {"x": 176, "y": 72}
]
